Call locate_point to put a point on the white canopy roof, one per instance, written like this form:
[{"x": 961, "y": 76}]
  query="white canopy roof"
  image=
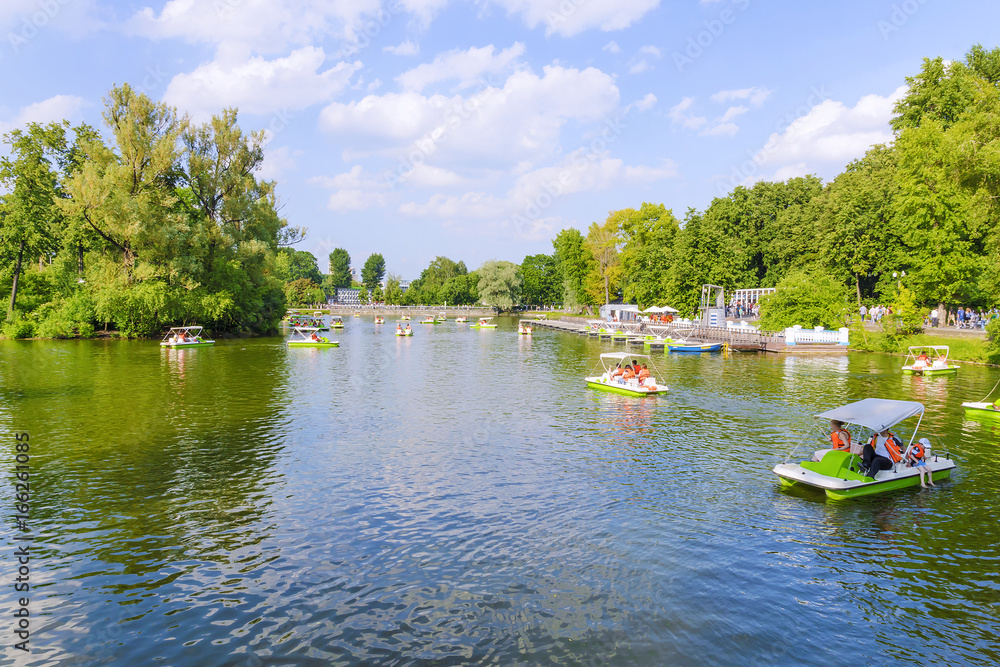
[
  {"x": 623, "y": 355},
  {"x": 877, "y": 414},
  {"x": 661, "y": 309}
]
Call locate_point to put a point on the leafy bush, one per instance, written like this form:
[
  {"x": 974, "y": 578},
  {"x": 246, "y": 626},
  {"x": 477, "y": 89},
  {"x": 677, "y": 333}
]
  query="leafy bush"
[
  {"x": 809, "y": 298},
  {"x": 993, "y": 340},
  {"x": 19, "y": 327},
  {"x": 67, "y": 318}
]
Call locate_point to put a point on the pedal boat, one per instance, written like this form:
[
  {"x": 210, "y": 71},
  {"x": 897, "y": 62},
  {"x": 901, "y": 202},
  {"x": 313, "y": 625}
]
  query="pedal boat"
[
  {"x": 604, "y": 382},
  {"x": 461, "y": 318},
  {"x": 441, "y": 317},
  {"x": 302, "y": 337},
  {"x": 337, "y": 322},
  {"x": 524, "y": 327},
  {"x": 404, "y": 318},
  {"x": 484, "y": 323},
  {"x": 837, "y": 472},
  {"x": 935, "y": 364},
  {"x": 192, "y": 337},
  {"x": 981, "y": 409},
  {"x": 429, "y": 319},
  {"x": 403, "y": 331},
  {"x": 379, "y": 320}
]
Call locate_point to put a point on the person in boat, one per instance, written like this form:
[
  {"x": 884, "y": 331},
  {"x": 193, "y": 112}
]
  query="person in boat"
[
  {"x": 922, "y": 361},
  {"x": 881, "y": 453},
  {"x": 916, "y": 457},
  {"x": 616, "y": 371},
  {"x": 407, "y": 328},
  {"x": 840, "y": 437},
  {"x": 643, "y": 374},
  {"x": 628, "y": 373},
  {"x": 314, "y": 337},
  {"x": 399, "y": 328},
  {"x": 182, "y": 337}
]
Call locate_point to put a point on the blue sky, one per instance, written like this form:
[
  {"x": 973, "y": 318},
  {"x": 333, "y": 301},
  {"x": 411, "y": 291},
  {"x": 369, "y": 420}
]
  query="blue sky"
[{"x": 477, "y": 130}]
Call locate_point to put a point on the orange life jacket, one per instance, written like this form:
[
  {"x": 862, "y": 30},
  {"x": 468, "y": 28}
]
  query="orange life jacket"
[
  {"x": 917, "y": 452},
  {"x": 891, "y": 446},
  {"x": 839, "y": 443},
  {"x": 628, "y": 374}
]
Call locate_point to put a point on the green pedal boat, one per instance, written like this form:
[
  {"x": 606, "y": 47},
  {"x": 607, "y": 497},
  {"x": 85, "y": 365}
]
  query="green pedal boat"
[
  {"x": 309, "y": 337},
  {"x": 184, "y": 337},
  {"x": 928, "y": 360},
  {"x": 839, "y": 474},
  {"x": 619, "y": 383}
]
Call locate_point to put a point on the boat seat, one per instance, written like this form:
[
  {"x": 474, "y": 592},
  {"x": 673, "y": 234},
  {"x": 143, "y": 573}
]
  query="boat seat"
[{"x": 835, "y": 463}]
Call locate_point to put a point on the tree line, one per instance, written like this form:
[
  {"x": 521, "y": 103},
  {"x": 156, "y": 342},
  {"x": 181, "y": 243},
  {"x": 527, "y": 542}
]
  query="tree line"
[{"x": 165, "y": 222}]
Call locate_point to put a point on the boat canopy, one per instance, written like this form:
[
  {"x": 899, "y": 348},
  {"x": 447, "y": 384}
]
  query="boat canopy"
[
  {"x": 623, "y": 355},
  {"x": 936, "y": 348},
  {"x": 877, "y": 414},
  {"x": 191, "y": 330}
]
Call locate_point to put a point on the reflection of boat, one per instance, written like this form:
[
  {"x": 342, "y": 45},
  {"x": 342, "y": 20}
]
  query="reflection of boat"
[
  {"x": 524, "y": 327},
  {"x": 919, "y": 362},
  {"x": 484, "y": 323},
  {"x": 401, "y": 331},
  {"x": 838, "y": 472},
  {"x": 336, "y": 322},
  {"x": 307, "y": 337},
  {"x": 179, "y": 337},
  {"x": 610, "y": 380}
]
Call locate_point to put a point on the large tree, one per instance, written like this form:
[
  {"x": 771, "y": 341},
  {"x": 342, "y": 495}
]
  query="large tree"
[
  {"x": 340, "y": 268},
  {"x": 573, "y": 262},
  {"x": 373, "y": 271},
  {"x": 604, "y": 243},
  {"x": 499, "y": 284},
  {"x": 542, "y": 281},
  {"x": 647, "y": 238}
]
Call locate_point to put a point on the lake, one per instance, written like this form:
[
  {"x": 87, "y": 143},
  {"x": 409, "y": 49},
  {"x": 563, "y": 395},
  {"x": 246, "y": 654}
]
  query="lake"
[{"x": 461, "y": 497}]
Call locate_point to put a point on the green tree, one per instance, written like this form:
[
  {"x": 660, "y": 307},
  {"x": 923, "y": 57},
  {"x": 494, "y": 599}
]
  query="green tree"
[
  {"x": 296, "y": 264},
  {"x": 393, "y": 292},
  {"x": 363, "y": 294},
  {"x": 604, "y": 243},
  {"x": 573, "y": 264},
  {"x": 373, "y": 271},
  {"x": 499, "y": 284},
  {"x": 647, "y": 252},
  {"x": 28, "y": 213},
  {"x": 340, "y": 268},
  {"x": 542, "y": 281},
  {"x": 808, "y": 298}
]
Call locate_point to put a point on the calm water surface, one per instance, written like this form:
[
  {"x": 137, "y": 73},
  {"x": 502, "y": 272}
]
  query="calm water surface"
[{"x": 460, "y": 497}]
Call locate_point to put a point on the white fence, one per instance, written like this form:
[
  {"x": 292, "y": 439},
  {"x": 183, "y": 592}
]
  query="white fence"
[
  {"x": 798, "y": 336},
  {"x": 741, "y": 326}
]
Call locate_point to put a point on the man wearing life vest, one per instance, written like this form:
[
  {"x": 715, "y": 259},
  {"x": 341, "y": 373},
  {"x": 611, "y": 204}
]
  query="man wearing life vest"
[
  {"x": 916, "y": 456},
  {"x": 840, "y": 436},
  {"x": 882, "y": 452}
]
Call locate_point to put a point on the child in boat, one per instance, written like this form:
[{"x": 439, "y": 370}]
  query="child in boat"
[
  {"x": 916, "y": 456},
  {"x": 840, "y": 437}
]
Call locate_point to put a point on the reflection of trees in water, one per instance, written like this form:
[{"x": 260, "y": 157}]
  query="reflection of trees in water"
[{"x": 147, "y": 456}]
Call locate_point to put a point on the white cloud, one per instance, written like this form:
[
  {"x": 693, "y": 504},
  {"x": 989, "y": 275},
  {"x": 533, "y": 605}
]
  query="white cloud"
[
  {"x": 276, "y": 162},
  {"x": 353, "y": 190},
  {"x": 651, "y": 51},
  {"x": 679, "y": 115},
  {"x": 53, "y": 109},
  {"x": 638, "y": 67},
  {"x": 733, "y": 112},
  {"x": 407, "y": 48},
  {"x": 264, "y": 25},
  {"x": 22, "y": 20},
  {"x": 569, "y": 17},
  {"x": 465, "y": 66},
  {"x": 646, "y": 103},
  {"x": 721, "y": 129},
  {"x": 831, "y": 134},
  {"x": 639, "y": 62},
  {"x": 258, "y": 85},
  {"x": 494, "y": 127},
  {"x": 754, "y": 96},
  {"x": 611, "y": 47}
]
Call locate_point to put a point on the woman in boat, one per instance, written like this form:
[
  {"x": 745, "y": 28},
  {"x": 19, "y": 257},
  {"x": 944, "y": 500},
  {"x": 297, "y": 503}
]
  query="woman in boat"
[
  {"x": 314, "y": 337},
  {"x": 643, "y": 374},
  {"x": 840, "y": 436},
  {"x": 921, "y": 361},
  {"x": 915, "y": 456},
  {"x": 881, "y": 453},
  {"x": 399, "y": 328}
]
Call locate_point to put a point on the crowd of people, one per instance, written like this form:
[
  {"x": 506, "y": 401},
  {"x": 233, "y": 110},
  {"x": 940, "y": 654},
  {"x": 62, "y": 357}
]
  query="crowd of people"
[
  {"x": 960, "y": 318},
  {"x": 743, "y": 310}
]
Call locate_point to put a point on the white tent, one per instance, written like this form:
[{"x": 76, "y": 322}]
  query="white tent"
[{"x": 661, "y": 309}]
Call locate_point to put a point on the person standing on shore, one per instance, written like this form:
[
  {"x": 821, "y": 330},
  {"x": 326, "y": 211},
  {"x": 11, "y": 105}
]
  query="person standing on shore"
[
  {"x": 862, "y": 311},
  {"x": 934, "y": 318}
]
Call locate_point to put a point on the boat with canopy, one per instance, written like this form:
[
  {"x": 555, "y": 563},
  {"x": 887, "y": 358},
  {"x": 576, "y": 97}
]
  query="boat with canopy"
[
  {"x": 401, "y": 330},
  {"x": 336, "y": 322},
  {"x": 484, "y": 323},
  {"x": 309, "y": 337},
  {"x": 441, "y": 317},
  {"x": 524, "y": 327},
  {"x": 928, "y": 360},
  {"x": 461, "y": 318},
  {"x": 619, "y": 375},
  {"x": 841, "y": 474},
  {"x": 429, "y": 319},
  {"x": 178, "y": 337},
  {"x": 379, "y": 319}
]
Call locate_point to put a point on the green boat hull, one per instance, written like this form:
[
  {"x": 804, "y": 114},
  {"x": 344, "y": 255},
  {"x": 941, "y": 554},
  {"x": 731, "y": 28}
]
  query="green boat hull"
[
  {"x": 931, "y": 371},
  {"x": 838, "y": 465},
  {"x": 186, "y": 346},
  {"x": 982, "y": 412},
  {"x": 476, "y": 326},
  {"x": 618, "y": 389}
]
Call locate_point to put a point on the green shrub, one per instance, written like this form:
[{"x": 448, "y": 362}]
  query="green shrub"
[
  {"x": 20, "y": 327},
  {"x": 809, "y": 298}
]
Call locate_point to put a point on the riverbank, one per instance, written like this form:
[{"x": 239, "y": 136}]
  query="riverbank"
[{"x": 969, "y": 347}]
